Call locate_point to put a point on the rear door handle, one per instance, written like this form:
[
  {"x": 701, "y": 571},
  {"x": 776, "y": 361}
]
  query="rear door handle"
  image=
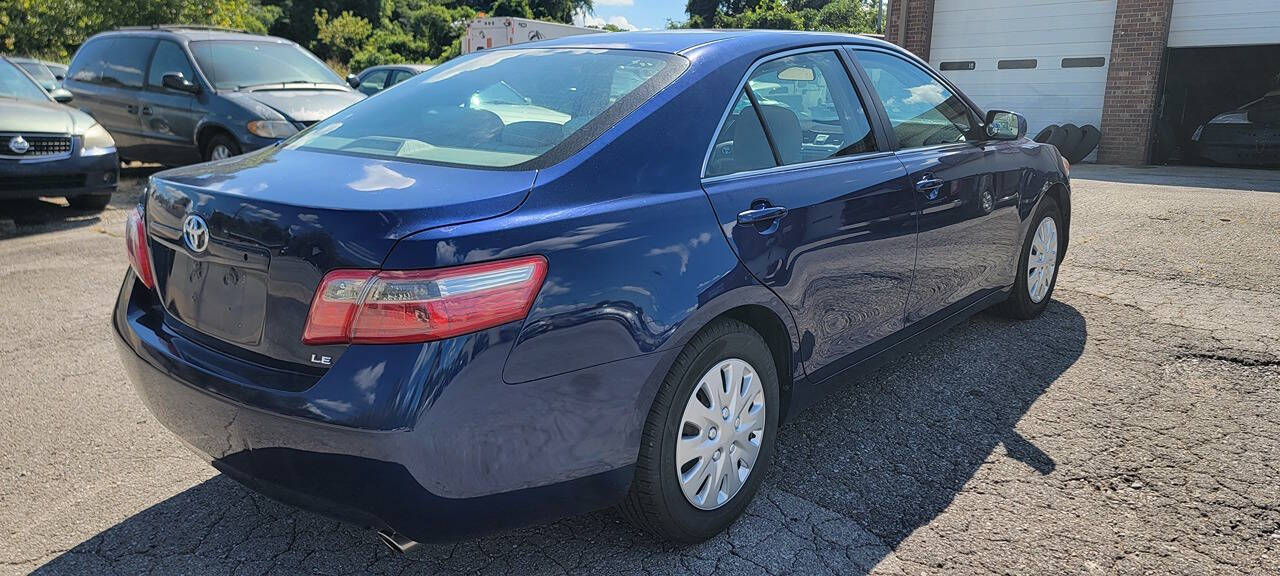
[
  {"x": 928, "y": 183},
  {"x": 763, "y": 214}
]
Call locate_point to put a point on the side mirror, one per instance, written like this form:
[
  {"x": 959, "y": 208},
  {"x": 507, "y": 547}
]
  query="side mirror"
[
  {"x": 61, "y": 95},
  {"x": 1005, "y": 125},
  {"x": 175, "y": 81},
  {"x": 353, "y": 80}
]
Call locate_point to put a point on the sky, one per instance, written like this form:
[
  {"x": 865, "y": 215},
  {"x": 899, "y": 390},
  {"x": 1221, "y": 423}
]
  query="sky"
[{"x": 637, "y": 14}]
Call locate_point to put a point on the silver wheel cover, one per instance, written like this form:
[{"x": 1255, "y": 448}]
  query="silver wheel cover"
[
  {"x": 1042, "y": 261},
  {"x": 220, "y": 152},
  {"x": 720, "y": 434}
]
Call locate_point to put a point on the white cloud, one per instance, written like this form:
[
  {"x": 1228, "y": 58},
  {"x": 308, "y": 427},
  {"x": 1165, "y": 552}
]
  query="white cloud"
[{"x": 584, "y": 19}]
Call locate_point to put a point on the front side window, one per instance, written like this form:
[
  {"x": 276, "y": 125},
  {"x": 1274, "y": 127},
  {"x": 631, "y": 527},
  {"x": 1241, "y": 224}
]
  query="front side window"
[
  {"x": 238, "y": 64},
  {"x": 921, "y": 110},
  {"x": 399, "y": 76},
  {"x": 15, "y": 84},
  {"x": 169, "y": 59},
  {"x": 496, "y": 109}
]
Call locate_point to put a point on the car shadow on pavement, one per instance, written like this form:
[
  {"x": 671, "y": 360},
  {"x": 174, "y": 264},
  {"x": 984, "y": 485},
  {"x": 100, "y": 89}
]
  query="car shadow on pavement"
[
  {"x": 1220, "y": 177},
  {"x": 884, "y": 455},
  {"x": 31, "y": 216}
]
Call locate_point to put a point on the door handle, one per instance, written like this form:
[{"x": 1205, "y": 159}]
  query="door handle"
[
  {"x": 131, "y": 109},
  {"x": 762, "y": 214},
  {"x": 146, "y": 110},
  {"x": 928, "y": 183}
]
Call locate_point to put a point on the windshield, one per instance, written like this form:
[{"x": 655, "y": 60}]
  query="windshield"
[
  {"x": 236, "y": 64},
  {"x": 41, "y": 74},
  {"x": 497, "y": 109},
  {"x": 15, "y": 84}
]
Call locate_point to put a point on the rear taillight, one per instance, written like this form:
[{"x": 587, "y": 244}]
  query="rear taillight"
[
  {"x": 135, "y": 241},
  {"x": 396, "y": 306}
]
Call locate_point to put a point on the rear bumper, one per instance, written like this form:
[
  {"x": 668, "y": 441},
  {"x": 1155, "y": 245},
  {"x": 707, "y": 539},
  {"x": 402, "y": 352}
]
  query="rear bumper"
[
  {"x": 74, "y": 176},
  {"x": 480, "y": 454}
]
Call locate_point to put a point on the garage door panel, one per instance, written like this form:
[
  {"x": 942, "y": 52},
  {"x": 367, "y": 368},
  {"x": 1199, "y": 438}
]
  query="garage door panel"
[
  {"x": 987, "y": 31},
  {"x": 1224, "y": 23}
]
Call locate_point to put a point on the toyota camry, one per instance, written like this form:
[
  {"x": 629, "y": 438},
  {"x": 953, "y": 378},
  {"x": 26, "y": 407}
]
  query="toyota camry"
[{"x": 568, "y": 275}]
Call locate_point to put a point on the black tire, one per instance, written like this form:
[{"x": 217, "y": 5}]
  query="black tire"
[
  {"x": 1072, "y": 140},
  {"x": 92, "y": 202},
  {"x": 220, "y": 139},
  {"x": 655, "y": 502},
  {"x": 1019, "y": 304},
  {"x": 1057, "y": 136},
  {"x": 1043, "y": 136},
  {"x": 1089, "y": 140}
]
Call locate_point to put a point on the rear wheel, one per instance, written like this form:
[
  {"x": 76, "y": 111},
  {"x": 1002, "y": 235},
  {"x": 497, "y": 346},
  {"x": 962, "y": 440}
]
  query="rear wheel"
[
  {"x": 1038, "y": 265},
  {"x": 709, "y": 436},
  {"x": 220, "y": 147},
  {"x": 94, "y": 202}
]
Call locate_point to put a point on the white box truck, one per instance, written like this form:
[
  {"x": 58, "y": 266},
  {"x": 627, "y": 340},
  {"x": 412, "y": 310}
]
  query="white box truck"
[{"x": 485, "y": 33}]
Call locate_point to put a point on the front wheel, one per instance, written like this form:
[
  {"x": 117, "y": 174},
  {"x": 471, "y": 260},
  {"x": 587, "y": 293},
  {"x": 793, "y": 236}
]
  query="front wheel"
[
  {"x": 1038, "y": 264},
  {"x": 709, "y": 436},
  {"x": 221, "y": 147}
]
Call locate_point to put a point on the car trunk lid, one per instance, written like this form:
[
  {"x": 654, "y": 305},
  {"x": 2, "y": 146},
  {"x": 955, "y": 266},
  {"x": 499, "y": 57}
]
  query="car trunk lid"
[{"x": 278, "y": 221}]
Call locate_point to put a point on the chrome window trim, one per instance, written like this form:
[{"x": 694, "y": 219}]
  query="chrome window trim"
[
  {"x": 24, "y": 159},
  {"x": 800, "y": 166},
  {"x": 733, "y": 99}
]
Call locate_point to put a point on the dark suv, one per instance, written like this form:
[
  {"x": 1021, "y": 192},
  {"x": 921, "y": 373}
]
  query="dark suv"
[{"x": 176, "y": 95}]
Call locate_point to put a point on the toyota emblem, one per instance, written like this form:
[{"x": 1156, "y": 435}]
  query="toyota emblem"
[{"x": 195, "y": 233}]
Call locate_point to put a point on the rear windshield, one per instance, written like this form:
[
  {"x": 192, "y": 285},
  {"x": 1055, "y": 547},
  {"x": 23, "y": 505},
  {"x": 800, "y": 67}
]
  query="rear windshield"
[
  {"x": 237, "y": 64},
  {"x": 499, "y": 109}
]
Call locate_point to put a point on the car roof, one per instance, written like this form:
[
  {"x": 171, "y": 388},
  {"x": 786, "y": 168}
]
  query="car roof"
[
  {"x": 679, "y": 41},
  {"x": 191, "y": 33}
]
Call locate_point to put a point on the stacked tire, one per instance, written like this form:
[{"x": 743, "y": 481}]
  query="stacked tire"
[{"x": 1073, "y": 142}]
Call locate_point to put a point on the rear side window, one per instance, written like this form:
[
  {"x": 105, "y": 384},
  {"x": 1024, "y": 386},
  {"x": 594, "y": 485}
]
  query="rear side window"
[
  {"x": 810, "y": 110},
  {"x": 373, "y": 81},
  {"x": 921, "y": 110},
  {"x": 86, "y": 66},
  {"x": 169, "y": 59},
  {"x": 521, "y": 108},
  {"x": 126, "y": 62},
  {"x": 400, "y": 76},
  {"x": 741, "y": 145}
]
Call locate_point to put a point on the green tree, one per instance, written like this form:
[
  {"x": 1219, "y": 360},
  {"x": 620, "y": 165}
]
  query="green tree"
[
  {"x": 515, "y": 8},
  {"x": 852, "y": 16},
  {"x": 341, "y": 37}
]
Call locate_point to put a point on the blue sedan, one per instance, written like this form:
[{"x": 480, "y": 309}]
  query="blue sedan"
[{"x": 595, "y": 271}]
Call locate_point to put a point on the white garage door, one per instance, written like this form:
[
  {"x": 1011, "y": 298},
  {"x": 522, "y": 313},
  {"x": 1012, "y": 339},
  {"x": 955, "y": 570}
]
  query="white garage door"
[
  {"x": 1045, "y": 59},
  {"x": 1198, "y": 23}
]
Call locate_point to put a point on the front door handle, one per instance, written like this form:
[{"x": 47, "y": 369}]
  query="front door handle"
[
  {"x": 762, "y": 214},
  {"x": 146, "y": 110}
]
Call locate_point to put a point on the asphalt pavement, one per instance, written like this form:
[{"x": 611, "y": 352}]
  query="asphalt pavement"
[{"x": 1134, "y": 428}]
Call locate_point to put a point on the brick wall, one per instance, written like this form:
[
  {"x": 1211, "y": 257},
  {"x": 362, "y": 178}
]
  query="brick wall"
[
  {"x": 1133, "y": 80},
  {"x": 919, "y": 25}
]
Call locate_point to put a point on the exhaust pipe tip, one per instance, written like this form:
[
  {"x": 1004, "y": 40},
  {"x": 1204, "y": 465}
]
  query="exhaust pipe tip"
[{"x": 397, "y": 542}]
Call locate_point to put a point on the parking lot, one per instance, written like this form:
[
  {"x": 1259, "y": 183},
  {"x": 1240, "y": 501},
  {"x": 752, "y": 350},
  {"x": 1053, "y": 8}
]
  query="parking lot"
[{"x": 1134, "y": 428}]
